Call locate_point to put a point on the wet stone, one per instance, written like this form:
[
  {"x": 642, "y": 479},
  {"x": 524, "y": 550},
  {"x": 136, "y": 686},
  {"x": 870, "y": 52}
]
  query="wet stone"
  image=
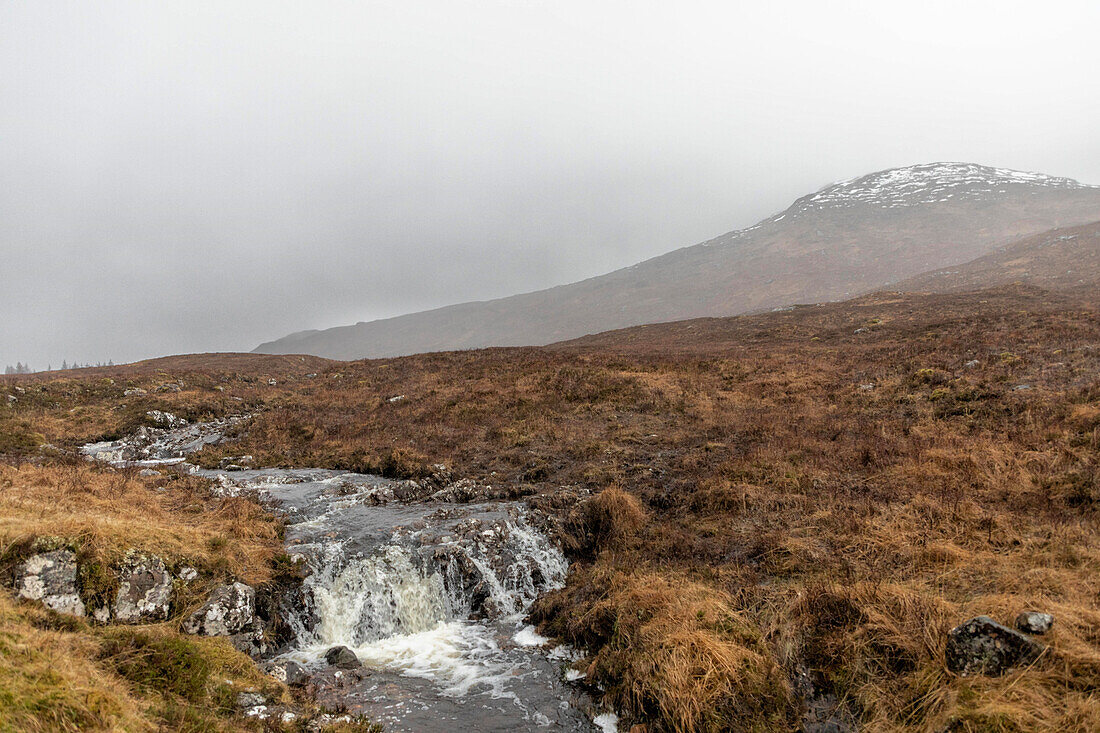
[{"x": 342, "y": 658}]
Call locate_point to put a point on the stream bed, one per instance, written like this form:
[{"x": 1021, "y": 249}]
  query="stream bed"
[{"x": 430, "y": 595}]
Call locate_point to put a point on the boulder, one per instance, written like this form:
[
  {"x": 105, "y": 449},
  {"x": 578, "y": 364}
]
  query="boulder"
[
  {"x": 983, "y": 646},
  {"x": 50, "y": 577},
  {"x": 230, "y": 610},
  {"x": 1034, "y": 622},
  {"x": 144, "y": 591},
  {"x": 342, "y": 658}
]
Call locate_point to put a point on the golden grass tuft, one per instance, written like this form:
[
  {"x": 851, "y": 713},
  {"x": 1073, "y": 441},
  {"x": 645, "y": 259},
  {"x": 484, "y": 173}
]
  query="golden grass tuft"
[
  {"x": 608, "y": 519},
  {"x": 670, "y": 651}
]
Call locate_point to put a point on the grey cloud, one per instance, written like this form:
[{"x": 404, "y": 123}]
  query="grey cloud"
[{"x": 205, "y": 176}]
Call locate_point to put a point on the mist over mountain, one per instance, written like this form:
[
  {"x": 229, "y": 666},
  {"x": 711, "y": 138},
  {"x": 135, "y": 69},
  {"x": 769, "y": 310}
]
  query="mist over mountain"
[
  {"x": 846, "y": 239},
  {"x": 1059, "y": 259}
]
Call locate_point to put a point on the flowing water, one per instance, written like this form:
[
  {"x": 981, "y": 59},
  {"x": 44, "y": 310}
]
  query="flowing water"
[{"x": 430, "y": 596}]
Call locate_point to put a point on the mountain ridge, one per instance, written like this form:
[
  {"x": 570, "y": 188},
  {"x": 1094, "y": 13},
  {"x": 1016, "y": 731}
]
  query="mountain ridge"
[{"x": 844, "y": 239}]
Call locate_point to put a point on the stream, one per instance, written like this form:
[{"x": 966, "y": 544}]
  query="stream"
[{"x": 430, "y": 595}]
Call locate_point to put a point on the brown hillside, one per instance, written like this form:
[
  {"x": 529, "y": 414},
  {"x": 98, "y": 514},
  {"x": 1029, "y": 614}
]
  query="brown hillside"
[{"x": 1060, "y": 259}]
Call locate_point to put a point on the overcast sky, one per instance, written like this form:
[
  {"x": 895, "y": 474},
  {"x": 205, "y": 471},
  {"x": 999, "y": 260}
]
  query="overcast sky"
[{"x": 182, "y": 177}]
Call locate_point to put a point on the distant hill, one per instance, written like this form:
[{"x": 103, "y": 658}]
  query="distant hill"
[
  {"x": 212, "y": 363},
  {"x": 846, "y": 239},
  {"x": 1060, "y": 259}
]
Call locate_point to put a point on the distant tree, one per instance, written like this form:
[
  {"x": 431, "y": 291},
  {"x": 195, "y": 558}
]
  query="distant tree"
[{"x": 64, "y": 364}]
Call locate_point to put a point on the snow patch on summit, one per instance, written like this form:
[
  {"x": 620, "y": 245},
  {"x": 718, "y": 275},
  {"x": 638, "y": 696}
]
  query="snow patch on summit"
[{"x": 926, "y": 184}]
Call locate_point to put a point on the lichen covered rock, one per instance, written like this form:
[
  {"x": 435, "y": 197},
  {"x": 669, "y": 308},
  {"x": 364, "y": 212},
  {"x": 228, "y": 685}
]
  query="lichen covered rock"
[
  {"x": 50, "y": 577},
  {"x": 230, "y": 610},
  {"x": 145, "y": 591}
]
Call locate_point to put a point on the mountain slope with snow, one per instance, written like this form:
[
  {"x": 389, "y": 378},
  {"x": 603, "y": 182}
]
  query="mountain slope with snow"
[{"x": 845, "y": 239}]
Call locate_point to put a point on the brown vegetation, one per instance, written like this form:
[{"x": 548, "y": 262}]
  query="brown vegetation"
[{"x": 825, "y": 490}]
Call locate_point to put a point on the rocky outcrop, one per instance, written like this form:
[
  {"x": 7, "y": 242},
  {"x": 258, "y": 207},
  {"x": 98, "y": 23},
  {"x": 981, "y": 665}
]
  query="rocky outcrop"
[
  {"x": 230, "y": 610},
  {"x": 50, "y": 577},
  {"x": 983, "y": 646},
  {"x": 1034, "y": 622},
  {"x": 165, "y": 419},
  {"x": 144, "y": 592}
]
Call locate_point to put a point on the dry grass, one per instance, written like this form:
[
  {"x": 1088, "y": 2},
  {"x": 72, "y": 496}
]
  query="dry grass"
[
  {"x": 51, "y": 682},
  {"x": 105, "y": 513},
  {"x": 59, "y": 674},
  {"x": 610, "y": 518},
  {"x": 671, "y": 650}
]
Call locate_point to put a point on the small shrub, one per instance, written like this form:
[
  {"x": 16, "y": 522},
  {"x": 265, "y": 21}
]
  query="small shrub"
[{"x": 168, "y": 664}]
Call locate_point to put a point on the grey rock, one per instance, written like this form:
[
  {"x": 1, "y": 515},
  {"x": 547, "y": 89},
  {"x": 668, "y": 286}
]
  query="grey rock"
[
  {"x": 187, "y": 574},
  {"x": 342, "y": 657},
  {"x": 251, "y": 641},
  {"x": 50, "y": 577},
  {"x": 249, "y": 700},
  {"x": 102, "y": 615},
  {"x": 144, "y": 591},
  {"x": 983, "y": 646},
  {"x": 1034, "y": 622},
  {"x": 287, "y": 672},
  {"x": 165, "y": 419},
  {"x": 136, "y": 391},
  {"x": 230, "y": 610},
  {"x": 235, "y": 463}
]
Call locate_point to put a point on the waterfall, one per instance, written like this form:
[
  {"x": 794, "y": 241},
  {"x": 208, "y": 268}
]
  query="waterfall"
[
  {"x": 406, "y": 587},
  {"x": 430, "y": 596}
]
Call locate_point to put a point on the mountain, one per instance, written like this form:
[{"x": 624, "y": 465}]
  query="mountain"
[
  {"x": 1060, "y": 259},
  {"x": 847, "y": 238}
]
